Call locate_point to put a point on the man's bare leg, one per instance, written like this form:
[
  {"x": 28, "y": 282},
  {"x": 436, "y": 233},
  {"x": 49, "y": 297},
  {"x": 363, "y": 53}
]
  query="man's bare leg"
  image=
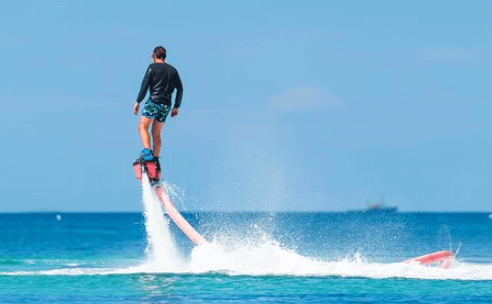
[
  {"x": 143, "y": 129},
  {"x": 156, "y": 136}
]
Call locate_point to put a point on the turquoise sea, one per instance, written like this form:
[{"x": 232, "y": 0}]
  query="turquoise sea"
[{"x": 250, "y": 258}]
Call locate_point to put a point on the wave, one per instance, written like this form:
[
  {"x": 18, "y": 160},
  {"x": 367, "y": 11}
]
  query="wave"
[
  {"x": 270, "y": 259},
  {"x": 38, "y": 262}
]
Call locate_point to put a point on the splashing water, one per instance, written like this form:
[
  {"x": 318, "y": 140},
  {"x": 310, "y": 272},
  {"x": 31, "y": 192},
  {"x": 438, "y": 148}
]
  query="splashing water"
[
  {"x": 260, "y": 255},
  {"x": 162, "y": 253},
  {"x": 176, "y": 194}
]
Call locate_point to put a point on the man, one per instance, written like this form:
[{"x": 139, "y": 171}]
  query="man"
[{"x": 160, "y": 79}]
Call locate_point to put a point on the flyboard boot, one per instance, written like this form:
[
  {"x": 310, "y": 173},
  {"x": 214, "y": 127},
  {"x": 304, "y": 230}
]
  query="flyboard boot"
[{"x": 149, "y": 164}]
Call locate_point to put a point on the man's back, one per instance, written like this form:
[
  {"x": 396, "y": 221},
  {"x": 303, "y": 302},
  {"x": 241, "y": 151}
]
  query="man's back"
[{"x": 161, "y": 79}]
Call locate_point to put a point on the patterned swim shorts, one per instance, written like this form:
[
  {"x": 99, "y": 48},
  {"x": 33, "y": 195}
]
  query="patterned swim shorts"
[{"x": 156, "y": 111}]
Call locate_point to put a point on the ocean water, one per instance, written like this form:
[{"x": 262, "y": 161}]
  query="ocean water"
[{"x": 250, "y": 258}]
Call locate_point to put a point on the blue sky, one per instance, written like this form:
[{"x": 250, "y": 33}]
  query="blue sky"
[{"x": 288, "y": 105}]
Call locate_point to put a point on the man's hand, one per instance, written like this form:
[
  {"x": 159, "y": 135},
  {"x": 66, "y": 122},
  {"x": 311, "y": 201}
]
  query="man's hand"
[
  {"x": 135, "y": 108},
  {"x": 174, "y": 112}
]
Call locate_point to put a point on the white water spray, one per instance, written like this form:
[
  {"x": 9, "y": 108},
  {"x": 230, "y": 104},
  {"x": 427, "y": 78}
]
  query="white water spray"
[{"x": 162, "y": 253}]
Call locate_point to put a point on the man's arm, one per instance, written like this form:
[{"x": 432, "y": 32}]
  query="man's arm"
[
  {"x": 143, "y": 91},
  {"x": 145, "y": 86},
  {"x": 179, "y": 93},
  {"x": 179, "y": 96}
]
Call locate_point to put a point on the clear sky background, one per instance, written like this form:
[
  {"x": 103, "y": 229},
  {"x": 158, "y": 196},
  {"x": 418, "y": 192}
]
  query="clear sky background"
[{"x": 288, "y": 105}]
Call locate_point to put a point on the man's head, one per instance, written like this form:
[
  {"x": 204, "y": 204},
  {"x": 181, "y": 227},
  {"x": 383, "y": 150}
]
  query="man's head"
[{"x": 159, "y": 53}]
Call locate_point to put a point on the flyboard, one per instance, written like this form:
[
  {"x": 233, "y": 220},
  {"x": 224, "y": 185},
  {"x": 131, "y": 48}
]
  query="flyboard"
[{"x": 154, "y": 174}]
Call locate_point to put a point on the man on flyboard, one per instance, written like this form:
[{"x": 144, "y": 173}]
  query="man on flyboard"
[{"x": 160, "y": 79}]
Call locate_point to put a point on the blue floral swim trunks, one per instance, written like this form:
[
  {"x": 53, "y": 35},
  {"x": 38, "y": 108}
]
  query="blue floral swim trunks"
[{"x": 156, "y": 111}]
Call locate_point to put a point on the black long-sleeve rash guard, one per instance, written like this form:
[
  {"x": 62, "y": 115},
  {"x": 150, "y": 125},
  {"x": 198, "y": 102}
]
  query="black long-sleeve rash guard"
[{"x": 161, "y": 79}]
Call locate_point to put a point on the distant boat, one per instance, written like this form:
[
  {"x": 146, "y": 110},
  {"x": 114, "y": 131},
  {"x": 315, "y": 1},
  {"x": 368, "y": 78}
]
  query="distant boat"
[{"x": 379, "y": 207}]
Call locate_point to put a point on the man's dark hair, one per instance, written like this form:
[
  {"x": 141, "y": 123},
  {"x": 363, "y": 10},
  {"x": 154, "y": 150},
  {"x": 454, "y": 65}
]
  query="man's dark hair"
[{"x": 160, "y": 52}]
